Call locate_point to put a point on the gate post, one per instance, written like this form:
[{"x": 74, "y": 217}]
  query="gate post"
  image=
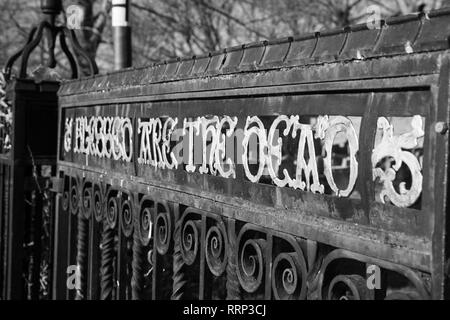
[
  {"x": 121, "y": 34},
  {"x": 28, "y": 150},
  {"x": 30, "y": 161}
]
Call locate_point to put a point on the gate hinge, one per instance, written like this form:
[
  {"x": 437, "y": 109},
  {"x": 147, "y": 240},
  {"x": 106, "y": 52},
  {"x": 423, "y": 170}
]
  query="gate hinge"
[{"x": 57, "y": 184}]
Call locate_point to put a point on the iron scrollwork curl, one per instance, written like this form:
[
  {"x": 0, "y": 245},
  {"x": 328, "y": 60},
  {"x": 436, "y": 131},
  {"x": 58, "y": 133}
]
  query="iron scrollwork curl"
[
  {"x": 163, "y": 228},
  {"x": 289, "y": 276},
  {"x": 112, "y": 211},
  {"x": 144, "y": 219},
  {"x": 344, "y": 286},
  {"x": 98, "y": 203},
  {"x": 126, "y": 216},
  {"x": 74, "y": 197},
  {"x": 251, "y": 264},
  {"x": 86, "y": 200},
  {"x": 190, "y": 240},
  {"x": 348, "y": 287},
  {"x": 216, "y": 248},
  {"x": 141, "y": 239}
]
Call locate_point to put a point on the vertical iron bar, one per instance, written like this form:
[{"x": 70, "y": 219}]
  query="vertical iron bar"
[
  {"x": 154, "y": 256},
  {"x": 93, "y": 260},
  {"x": 233, "y": 286},
  {"x": 268, "y": 267},
  {"x": 201, "y": 286},
  {"x": 6, "y": 202},
  {"x": 107, "y": 262},
  {"x": 2, "y": 214},
  {"x": 60, "y": 255},
  {"x": 71, "y": 250},
  {"x": 122, "y": 260}
]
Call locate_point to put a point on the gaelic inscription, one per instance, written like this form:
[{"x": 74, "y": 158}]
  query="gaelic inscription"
[{"x": 206, "y": 151}]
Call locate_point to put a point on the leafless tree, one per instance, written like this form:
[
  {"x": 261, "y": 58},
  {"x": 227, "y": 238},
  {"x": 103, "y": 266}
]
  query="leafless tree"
[{"x": 164, "y": 29}]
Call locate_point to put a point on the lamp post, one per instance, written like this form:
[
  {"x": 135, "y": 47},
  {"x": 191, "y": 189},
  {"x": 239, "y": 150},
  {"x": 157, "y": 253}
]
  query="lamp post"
[{"x": 121, "y": 34}]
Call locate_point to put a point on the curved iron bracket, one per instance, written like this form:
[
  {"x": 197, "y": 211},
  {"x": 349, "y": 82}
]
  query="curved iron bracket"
[{"x": 35, "y": 37}]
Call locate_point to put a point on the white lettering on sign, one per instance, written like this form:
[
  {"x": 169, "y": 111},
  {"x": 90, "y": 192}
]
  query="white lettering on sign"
[
  {"x": 254, "y": 126},
  {"x": 220, "y": 151},
  {"x": 308, "y": 168},
  {"x": 209, "y": 141},
  {"x": 103, "y": 137},
  {"x": 400, "y": 150},
  {"x": 188, "y": 130},
  {"x": 327, "y": 131},
  {"x": 168, "y": 128},
  {"x": 68, "y": 134},
  {"x": 274, "y": 155}
]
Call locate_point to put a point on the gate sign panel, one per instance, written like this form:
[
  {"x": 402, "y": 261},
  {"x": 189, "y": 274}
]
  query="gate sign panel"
[
  {"x": 112, "y": 138},
  {"x": 331, "y": 140}
]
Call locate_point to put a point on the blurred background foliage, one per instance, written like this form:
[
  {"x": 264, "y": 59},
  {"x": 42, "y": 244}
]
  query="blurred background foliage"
[{"x": 164, "y": 29}]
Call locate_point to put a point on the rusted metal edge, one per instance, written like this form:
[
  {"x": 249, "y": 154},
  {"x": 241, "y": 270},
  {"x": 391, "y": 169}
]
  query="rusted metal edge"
[
  {"x": 174, "y": 92},
  {"x": 391, "y": 34}
]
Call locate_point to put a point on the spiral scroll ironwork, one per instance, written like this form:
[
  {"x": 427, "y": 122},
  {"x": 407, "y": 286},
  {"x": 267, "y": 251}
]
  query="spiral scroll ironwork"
[
  {"x": 98, "y": 205},
  {"x": 190, "y": 241},
  {"x": 86, "y": 200},
  {"x": 163, "y": 232},
  {"x": 112, "y": 212},
  {"x": 74, "y": 199},
  {"x": 348, "y": 287},
  {"x": 216, "y": 250},
  {"x": 251, "y": 264},
  {"x": 126, "y": 216},
  {"x": 289, "y": 276},
  {"x": 144, "y": 222}
]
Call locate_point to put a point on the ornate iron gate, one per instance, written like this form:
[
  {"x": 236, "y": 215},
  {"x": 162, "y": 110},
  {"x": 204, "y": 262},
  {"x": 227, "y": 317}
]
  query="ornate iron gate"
[{"x": 286, "y": 169}]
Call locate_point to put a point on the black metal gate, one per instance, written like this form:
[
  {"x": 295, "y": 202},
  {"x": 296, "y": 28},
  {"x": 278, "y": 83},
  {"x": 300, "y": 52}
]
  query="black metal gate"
[{"x": 224, "y": 176}]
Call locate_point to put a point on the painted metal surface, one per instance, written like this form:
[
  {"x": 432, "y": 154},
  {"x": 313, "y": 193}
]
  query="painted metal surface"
[{"x": 279, "y": 169}]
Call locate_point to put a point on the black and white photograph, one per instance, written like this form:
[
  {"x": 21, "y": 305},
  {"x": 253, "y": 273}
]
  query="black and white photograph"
[{"x": 220, "y": 155}]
